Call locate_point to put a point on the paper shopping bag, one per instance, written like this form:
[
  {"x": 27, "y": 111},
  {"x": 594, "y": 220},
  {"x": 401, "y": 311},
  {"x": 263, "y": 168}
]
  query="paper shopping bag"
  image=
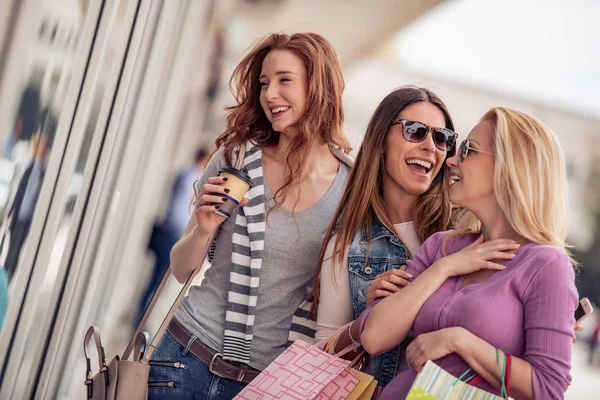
[
  {"x": 302, "y": 372},
  {"x": 365, "y": 389},
  {"x": 435, "y": 383}
]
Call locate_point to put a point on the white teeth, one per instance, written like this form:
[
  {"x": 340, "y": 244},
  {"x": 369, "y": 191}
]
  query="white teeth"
[
  {"x": 422, "y": 163},
  {"x": 454, "y": 179},
  {"x": 278, "y": 110}
]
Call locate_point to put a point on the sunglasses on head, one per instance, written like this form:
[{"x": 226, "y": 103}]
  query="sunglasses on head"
[
  {"x": 415, "y": 132},
  {"x": 463, "y": 150}
]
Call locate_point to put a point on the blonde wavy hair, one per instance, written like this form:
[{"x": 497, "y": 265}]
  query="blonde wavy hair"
[{"x": 530, "y": 180}]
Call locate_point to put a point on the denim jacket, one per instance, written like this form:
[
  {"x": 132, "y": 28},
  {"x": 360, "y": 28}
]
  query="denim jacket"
[{"x": 386, "y": 251}]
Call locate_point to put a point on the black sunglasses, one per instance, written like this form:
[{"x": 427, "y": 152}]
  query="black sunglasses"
[
  {"x": 463, "y": 150},
  {"x": 415, "y": 132}
]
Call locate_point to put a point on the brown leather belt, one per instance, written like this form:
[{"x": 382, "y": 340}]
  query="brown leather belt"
[{"x": 216, "y": 365}]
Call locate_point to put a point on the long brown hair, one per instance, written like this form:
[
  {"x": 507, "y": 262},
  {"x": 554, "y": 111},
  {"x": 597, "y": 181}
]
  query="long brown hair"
[
  {"x": 323, "y": 114},
  {"x": 362, "y": 200}
]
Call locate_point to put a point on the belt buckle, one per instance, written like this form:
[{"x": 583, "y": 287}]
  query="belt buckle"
[
  {"x": 211, "y": 365},
  {"x": 240, "y": 376}
]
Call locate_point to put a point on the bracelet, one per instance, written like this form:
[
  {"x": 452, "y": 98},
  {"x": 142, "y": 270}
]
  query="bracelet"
[
  {"x": 508, "y": 362},
  {"x": 502, "y": 369},
  {"x": 504, "y": 377},
  {"x": 350, "y": 334}
]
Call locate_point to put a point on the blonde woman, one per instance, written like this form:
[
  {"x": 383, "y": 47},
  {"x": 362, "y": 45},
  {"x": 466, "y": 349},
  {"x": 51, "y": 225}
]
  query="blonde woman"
[{"x": 471, "y": 299}]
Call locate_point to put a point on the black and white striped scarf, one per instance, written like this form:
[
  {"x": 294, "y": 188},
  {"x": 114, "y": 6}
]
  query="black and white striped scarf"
[{"x": 246, "y": 260}]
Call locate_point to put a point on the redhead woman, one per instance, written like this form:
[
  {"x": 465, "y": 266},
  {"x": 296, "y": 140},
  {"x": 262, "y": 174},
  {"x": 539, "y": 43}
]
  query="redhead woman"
[{"x": 289, "y": 117}]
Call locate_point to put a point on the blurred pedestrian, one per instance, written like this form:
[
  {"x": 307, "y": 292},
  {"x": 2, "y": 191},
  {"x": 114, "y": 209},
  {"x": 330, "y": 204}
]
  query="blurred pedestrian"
[
  {"x": 23, "y": 205},
  {"x": 168, "y": 231},
  {"x": 25, "y": 125},
  {"x": 594, "y": 339}
]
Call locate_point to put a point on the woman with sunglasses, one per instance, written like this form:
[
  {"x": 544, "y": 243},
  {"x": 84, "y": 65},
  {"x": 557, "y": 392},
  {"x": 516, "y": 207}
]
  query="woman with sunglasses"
[
  {"x": 499, "y": 293},
  {"x": 397, "y": 196}
]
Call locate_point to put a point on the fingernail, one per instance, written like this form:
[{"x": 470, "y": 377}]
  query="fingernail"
[
  {"x": 224, "y": 199},
  {"x": 217, "y": 207},
  {"x": 409, "y": 275},
  {"x": 227, "y": 190},
  {"x": 225, "y": 179}
]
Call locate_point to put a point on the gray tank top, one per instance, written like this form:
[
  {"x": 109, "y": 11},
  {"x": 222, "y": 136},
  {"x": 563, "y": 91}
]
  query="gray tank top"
[{"x": 292, "y": 246}]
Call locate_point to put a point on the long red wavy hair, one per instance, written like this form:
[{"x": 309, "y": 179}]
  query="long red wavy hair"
[{"x": 323, "y": 116}]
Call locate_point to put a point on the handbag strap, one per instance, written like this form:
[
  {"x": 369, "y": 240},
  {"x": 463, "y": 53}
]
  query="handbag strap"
[
  {"x": 179, "y": 299},
  {"x": 174, "y": 306},
  {"x": 95, "y": 333},
  {"x": 141, "y": 342}
]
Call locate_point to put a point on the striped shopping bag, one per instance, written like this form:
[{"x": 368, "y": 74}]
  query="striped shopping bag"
[{"x": 434, "y": 383}]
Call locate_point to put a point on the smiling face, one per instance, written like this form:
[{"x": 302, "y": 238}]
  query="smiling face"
[
  {"x": 472, "y": 180},
  {"x": 411, "y": 167},
  {"x": 283, "y": 81}
]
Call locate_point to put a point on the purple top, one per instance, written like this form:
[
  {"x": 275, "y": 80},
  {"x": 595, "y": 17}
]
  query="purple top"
[{"x": 527, "y": 311}]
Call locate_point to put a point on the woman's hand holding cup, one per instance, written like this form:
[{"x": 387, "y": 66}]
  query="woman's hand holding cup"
[
  {"x": 219, "y": 198},
  {"x": 211, "y": 198}
]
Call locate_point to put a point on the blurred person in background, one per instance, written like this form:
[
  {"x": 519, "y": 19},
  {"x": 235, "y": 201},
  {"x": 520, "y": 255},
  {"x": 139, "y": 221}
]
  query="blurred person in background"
[
  {"x": 593, "y": 341},
  {"x": 503, "y": 285},
  {"x": 216, "y": 66},
  {"x": 26, "y": 123},
  {"x": 397, "y": 196},
  {"x": 168, "y": 231},
  {"x": 17, "y": 153},
  {"x": 20, "y": 214},
  {"x": 289, "y": 115}
]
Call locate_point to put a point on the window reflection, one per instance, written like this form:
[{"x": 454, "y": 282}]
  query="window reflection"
[{"x": 39, "y": 64}]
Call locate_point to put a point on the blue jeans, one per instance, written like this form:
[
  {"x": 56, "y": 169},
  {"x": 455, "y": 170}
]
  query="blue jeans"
[{"x": 190, "y": 379}]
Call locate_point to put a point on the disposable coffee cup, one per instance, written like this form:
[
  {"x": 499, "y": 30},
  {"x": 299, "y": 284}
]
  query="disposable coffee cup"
[{"x": 238, "y": 182}]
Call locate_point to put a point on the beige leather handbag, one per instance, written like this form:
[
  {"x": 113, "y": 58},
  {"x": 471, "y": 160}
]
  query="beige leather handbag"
[{"x": 125, "y": 379}]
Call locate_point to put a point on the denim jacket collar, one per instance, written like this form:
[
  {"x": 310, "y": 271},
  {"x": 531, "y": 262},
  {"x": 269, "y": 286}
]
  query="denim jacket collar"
[{"x": 378, "y": 230}]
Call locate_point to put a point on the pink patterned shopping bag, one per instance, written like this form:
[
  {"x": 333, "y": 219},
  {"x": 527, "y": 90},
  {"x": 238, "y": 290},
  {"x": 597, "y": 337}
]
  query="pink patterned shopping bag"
[{"x": 302, "y": 372}]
